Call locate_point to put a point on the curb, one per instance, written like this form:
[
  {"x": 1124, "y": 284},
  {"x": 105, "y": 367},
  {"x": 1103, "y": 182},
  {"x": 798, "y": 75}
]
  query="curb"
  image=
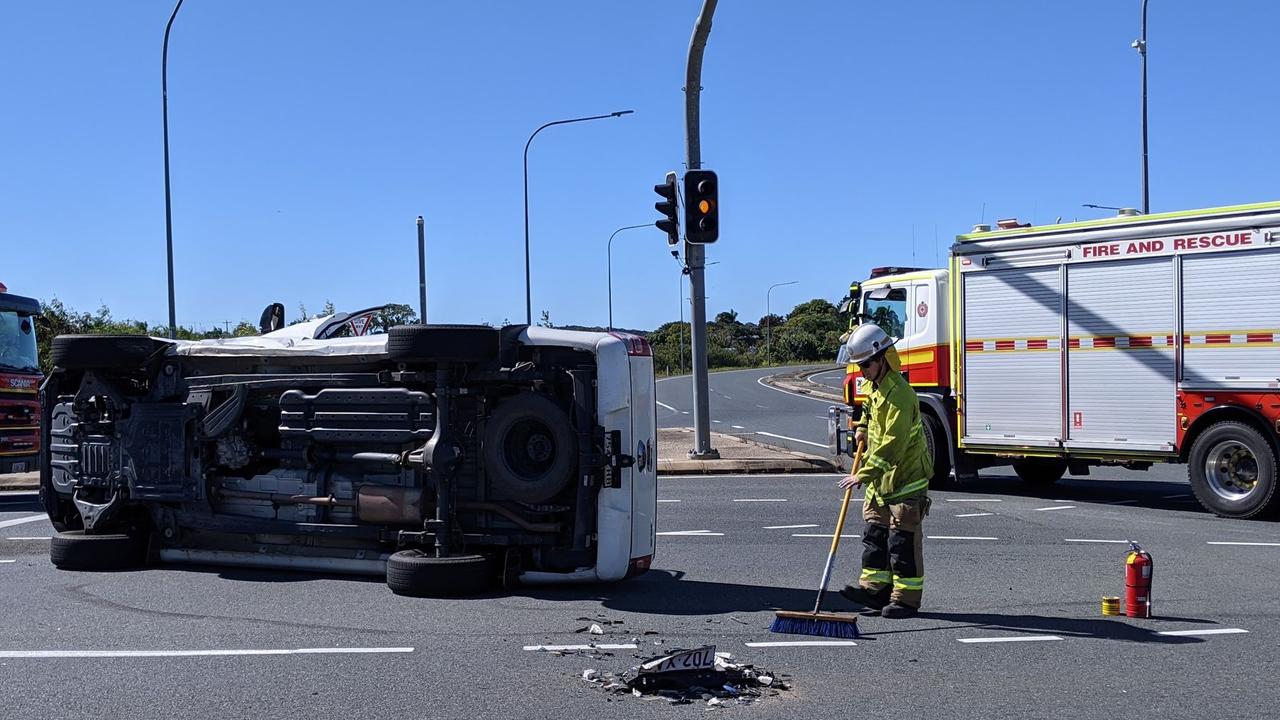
[
  {"x": 797, "y": 382},
  {"x": 762, "y": 466},
  {"x": 20, "y": 481}
]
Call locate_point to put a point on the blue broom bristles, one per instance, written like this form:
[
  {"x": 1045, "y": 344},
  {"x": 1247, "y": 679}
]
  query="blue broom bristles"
[{"x": 814, "y": 626}]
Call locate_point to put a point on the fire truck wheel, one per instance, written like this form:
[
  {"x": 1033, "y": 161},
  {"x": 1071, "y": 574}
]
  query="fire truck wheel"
[
  {"x": 530, "y": 450},
  {"x": 936, "y": 440},
  {"x": 74, "y": 550},
  {"x": 436, "y": 343},
  {"x": 103, "y": 352},
  {"x": 417, "y": 573},
  {"x": 1040, "y": 471},
  {"x": 1232, "y": 469}
]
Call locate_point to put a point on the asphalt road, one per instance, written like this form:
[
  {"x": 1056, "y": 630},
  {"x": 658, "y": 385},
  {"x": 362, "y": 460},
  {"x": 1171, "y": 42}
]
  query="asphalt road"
[{"x": 742, "y": 550}]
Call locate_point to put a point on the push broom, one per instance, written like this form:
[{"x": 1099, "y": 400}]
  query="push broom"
[{"x": 824, "y": 624}]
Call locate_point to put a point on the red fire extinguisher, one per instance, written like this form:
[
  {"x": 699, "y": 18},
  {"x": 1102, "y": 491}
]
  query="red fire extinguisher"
[{"x": 1137, "y": 582}]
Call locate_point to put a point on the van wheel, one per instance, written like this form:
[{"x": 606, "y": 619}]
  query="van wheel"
[
  {"x": 442, "y": 343},
  {"x": 418, "y": 573},
  {"x": 1040, "y": 472},
  {"x": 530, "y": 450},
  {"x": 935, "y": 438},
  {"x": 1232, "y": 469},
  {"x": 103, "y": 352},
  {"x": 74, "y": 550}
]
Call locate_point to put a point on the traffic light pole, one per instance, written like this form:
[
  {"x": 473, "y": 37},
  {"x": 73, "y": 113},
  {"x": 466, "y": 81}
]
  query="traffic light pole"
[{"x": 695, "y": 254}]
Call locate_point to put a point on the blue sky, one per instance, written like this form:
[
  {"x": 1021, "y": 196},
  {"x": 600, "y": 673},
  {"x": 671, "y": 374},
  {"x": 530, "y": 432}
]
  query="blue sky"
[{"x": 307, "y": 137}]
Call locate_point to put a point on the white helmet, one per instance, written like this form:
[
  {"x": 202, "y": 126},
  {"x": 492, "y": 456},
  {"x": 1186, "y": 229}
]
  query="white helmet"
[{"x": 868, "y": 341}]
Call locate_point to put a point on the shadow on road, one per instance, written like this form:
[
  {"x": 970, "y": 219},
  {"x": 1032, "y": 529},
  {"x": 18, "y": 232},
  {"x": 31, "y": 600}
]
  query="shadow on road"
[{"x": 1152, "y": 494}]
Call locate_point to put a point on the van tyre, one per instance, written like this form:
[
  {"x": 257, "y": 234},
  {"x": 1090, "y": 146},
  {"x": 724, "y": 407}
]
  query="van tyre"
[
  {"x": 442, "y": 343},
  {"x": 418, "y": 573},
  {"x": 530, "y": 449},
  {"x": 1232, "y": 468},
  {"x": 935, "y": 438},
  {"x": 1040, "y": 472},
  {"x": 103, "y": 352},
  {"x": 76, "y": 550}
]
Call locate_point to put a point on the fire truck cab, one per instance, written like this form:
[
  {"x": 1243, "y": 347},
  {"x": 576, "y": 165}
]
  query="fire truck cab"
[
  {"x": 19, "y": 382},
  {"x": 1125, "y": 341}
]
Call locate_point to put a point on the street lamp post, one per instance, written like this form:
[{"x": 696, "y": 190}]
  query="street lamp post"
[
  {"x": 528, "y": 297},
  {"x": 610, "y": 265},
  {"x": 768, "y": 314},
  {"x": 168, "y": 207},
  {"x": 1141, "y": 46}
]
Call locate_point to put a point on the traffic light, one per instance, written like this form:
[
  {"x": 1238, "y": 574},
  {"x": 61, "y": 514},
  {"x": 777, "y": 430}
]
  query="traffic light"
[
  {"x": 670, "y": 224},
  {"x": 701, "y": 206}
]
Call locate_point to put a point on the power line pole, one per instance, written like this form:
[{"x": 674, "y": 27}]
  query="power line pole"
[{"x": 695, "y": 253}]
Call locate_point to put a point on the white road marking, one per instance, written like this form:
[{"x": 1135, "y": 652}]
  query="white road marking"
[
  {"x": 958, "y": 537},
  {"x": 1086, "y": 540},
  {"x": 717, "y": 421},
  {"x": 973, "y": 500},
  {"x": 603, "y": 646},
  {"x": 662, "y": 404},
  {"x": 786, "y": 476},
  {"x": 827, "y": 536},
  {"x": 684, "y": 412},
  {"x": 38, "y": 537},
  {"x": 974, "y": 514},
  {"x": 737, "y": 427},
  {"x": 763, "y": 384},
  {"x": 19, "y": 521},
  {"x": 668, "y": 501},
  {"x": 803, "y": 643},
  {"x": 787, "y": 527},
  {"x": 1056, "y": 507},
  {"x": 1016, "y": 638},
  {"x": 1208, "y": 631},
  {"x": 4, "y": 562},
  {"x": 759, "y": 499},
  {"x": 1255, "y": 544},
  {"x": 196, "y": 653},
  {"x": 763, "y": 407},
  {"x": 693, "y": 533},
  {"x": 784, "y": 437}
]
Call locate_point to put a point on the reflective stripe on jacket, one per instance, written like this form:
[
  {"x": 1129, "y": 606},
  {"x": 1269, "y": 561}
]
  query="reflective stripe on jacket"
[{"x": 896, "y": 463}]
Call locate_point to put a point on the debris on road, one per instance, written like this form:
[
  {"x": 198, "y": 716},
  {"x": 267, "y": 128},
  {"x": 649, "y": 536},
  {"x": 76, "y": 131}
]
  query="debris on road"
[{"x": 683, "y": 677}]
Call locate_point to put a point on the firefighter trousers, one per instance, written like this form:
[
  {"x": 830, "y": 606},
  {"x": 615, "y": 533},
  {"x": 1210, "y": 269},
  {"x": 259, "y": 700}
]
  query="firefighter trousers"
[{"x": 893, "y": 548}]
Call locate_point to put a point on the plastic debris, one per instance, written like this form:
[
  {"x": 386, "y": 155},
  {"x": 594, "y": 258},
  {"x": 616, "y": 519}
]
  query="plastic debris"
[
  {"x": 595, "y": 629},
  {"x": 591, "y": 675},
  {"x": 698, "y": 675}
]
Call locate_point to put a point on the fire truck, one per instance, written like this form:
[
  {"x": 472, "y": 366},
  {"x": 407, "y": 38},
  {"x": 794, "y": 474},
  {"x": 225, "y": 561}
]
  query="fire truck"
[
  {"x": 1127, "y": 341},
  {"x": 19, "y": 383}
]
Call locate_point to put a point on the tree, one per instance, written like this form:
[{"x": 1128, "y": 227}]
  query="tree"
[{"x": 545, "y": 321}]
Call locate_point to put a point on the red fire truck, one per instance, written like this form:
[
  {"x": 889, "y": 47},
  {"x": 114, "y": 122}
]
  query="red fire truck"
[
  {"x": 19, "y": 382},
  {"x": 1127, "y": 341}
]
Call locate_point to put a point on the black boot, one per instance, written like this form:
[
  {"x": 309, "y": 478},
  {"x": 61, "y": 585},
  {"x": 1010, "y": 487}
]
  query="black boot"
[
  {"x": 862, "y": 596},
  {"x": 898, "y": 611}
]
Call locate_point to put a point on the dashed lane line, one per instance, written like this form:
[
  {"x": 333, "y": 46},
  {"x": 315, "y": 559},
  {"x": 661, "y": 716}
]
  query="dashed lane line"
[
  {"x": 197, "y": 653},
  {"x": 41, "y": 537},
  {"x": 973, "y": 500},
  {"x": 737, "y": 427},
  {"x": 958, "y": 537},
  {"x": 759, "y": 499},
  {"x": 1207, "y": 631},
  {"x": 974, "y": 514},
  {"x": 1089, "y": 540},
  {"x": 1055, "y": 507},
  {"x": 784, "y": 437},
  {"x": 664, "y": 405},
  {"x": 668, "y": 501},
  {"x": 1254, "y": 544},
  {"x": 6, "y": 562},
  {"x": 787, "y": 527},
  {"x": 802, "y": 643},
  {"x": 692, "y": 533},
  {"x": 1015, "y": 638},
  {"x": 20, "y": 521},
  {"x": 828, "y": 536},
  {"x": 601, "y": 646}
]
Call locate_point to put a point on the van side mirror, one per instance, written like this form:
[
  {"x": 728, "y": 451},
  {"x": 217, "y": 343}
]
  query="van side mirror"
[{"x": 272, "y": 318}]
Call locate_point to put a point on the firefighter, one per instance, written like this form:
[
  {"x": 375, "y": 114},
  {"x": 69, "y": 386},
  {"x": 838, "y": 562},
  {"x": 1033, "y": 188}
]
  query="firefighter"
[{"x": 895, "y": 472}]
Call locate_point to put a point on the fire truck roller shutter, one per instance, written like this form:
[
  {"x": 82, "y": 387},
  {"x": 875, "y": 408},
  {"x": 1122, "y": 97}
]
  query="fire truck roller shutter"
[
  {"x": 1231, "y": 320},
  {"x": 1012, "y": 355},
  {"x": 1120, "y": 361}
]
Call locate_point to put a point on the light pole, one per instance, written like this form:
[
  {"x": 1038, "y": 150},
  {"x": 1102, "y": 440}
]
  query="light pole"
[
  {"x": 528, "y": 297},
  {"x": 768, "y": 314},
  {"x": 1141, "y": 46},
  {"x": 168, "y": 207},
  {"x": 610, "y": 265}
]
